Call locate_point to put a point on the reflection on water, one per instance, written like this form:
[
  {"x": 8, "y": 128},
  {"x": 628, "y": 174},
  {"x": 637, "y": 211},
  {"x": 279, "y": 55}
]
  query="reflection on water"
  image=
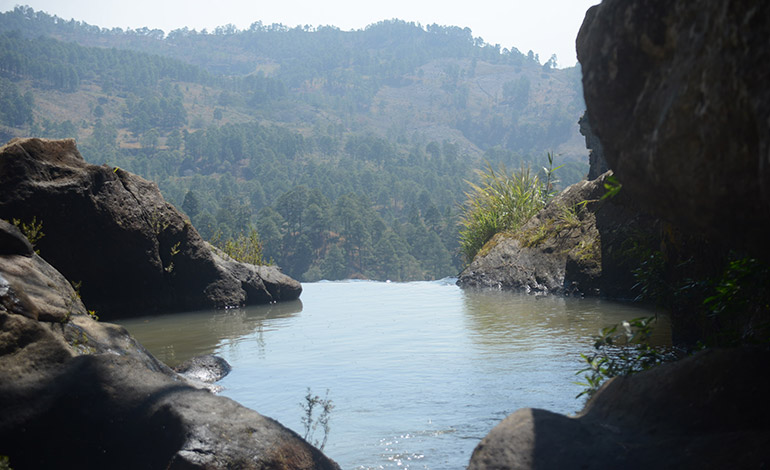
[
  {"x": 174, "y": 338},
  {"x": 508, "y": 320},
  {"x": 418, "y": 372}
]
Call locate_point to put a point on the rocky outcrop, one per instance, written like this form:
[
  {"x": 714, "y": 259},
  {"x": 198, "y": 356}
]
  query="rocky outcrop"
[
  {"x": 696, "y": 413},
  {"x": 597, "y": 164},
  {"x": 677, "y": 93},
  {"x": 76, "y": 393},
  {"x": 112, "y": 231},
  {"x": 579, "y": 244}
]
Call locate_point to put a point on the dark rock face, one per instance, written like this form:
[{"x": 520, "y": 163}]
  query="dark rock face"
[
  {"x": 689, "y": 414},
  {"x": 30, "y": 286},
  {"x": 112, "y": 231},
  {"x": 677, "y": 93},
  {"x": 596, "y": 161},
  {"x": 569, "y": 247},
  {"x": 76, "y": 393}
]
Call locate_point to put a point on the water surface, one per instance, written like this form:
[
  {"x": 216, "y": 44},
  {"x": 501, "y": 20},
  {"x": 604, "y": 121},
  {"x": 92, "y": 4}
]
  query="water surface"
[{"x": 418, "y": 372}]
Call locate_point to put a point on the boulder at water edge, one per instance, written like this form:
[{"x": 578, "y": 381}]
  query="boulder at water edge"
[
  {"x": 579, "y": 244},
  {"x": 112, "y": 232},
  {"x": 707, "y": 412},
  {"x": 76, "y": 393}
]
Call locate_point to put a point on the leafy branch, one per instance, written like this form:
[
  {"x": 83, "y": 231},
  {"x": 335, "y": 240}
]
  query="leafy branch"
[
  {"x": 311, "y": 422},
  {"x": 621, "y": 349}
]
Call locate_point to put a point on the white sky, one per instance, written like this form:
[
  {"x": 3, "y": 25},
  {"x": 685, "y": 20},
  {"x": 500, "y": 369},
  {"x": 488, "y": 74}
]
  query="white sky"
[{"x": 544, "y": 26}]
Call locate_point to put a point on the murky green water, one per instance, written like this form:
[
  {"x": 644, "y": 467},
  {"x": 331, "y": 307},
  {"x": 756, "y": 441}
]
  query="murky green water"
[{"x": 418, "y": 372}]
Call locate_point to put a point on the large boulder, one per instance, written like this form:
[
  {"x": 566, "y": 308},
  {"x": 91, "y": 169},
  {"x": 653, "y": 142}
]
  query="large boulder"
[
  {"x": 581, "y": 243},
  {"x": 112, "y": 232},
  {"x": 704, "y": 412},
  {"x": 76, "y": 393},
  {"x": 677, "y": 92}
]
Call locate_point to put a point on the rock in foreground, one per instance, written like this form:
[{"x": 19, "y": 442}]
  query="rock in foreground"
[
  {"x": 76, "y": 393},
  {"x": 113, "y": 232},
  {"x": 707, "y": 411}
]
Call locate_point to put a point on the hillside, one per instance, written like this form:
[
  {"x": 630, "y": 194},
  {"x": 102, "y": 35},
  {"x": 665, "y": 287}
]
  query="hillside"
[{"x": 348, "y": 151}]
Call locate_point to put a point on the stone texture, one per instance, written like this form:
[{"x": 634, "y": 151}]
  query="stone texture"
[
  {"x": 597, "y": 164},
  {"x": 207, "y": 368},
  {"x": 113, "y": 232},
  {"x": 677, "y": 93},
  {"x": 704, "y": 412},
  {"x": 76, "y": 393}
]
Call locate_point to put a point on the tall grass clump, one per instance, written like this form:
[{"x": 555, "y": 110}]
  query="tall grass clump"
[{"x": 500, "y": 202}]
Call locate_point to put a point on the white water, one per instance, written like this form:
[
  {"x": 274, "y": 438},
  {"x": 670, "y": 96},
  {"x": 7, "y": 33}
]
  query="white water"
[{"x": 418, "y": 372}]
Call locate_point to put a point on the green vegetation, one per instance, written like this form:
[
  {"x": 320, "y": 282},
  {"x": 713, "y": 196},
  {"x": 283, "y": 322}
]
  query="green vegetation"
[
  {"x": 5, "y": 463},
  {"x": 15, "y": 109},
  {"x": 613, "y": 187},
  {"x": 737, "y": 304},
  {"x": 32, "y": 230},
  {"x": 713, "y": 301},
  {"x": 245, "y": 247},
  {"x": 347, "y": 151},
  {"x": 311, "y": 422},
  {"x": 501, "y": 202},
  {"x": 623, "y": 352}
]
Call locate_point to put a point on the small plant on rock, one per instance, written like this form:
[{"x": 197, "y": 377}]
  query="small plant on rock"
[
  {"x": 621, "y": 349},
  {"x": 311, "y": 422},
  {"x": 32, "y": 230}
]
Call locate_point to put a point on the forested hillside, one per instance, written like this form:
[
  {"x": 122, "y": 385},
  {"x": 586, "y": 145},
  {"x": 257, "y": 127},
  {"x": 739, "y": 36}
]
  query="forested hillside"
[{"x": 347, "y": 150}]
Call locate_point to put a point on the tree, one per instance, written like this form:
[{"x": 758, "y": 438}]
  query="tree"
[
  {"x": 174, "y": 140},
  {"x": 190, "y": 205},
  {"x": 291, "y": 205},
  {"x": 149, "y": 139},
  {"x": 333, "y": 266},
  {"x": 206, "y": 225}
]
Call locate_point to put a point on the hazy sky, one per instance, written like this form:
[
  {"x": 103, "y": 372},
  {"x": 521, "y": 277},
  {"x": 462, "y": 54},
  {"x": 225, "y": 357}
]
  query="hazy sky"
[{"x": 544, "y": 26}]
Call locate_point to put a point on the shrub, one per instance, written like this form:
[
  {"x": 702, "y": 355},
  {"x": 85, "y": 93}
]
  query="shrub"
[
  {"x": 32, "y": 230},
  {"x": 311, "y": 422},
  {"x": 622, "y": 349},
  {"x": 246, "y": 247}
]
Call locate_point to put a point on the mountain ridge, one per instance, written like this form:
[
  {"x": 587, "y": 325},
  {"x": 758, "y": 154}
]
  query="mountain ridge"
[{"x": 385, "y": 113}]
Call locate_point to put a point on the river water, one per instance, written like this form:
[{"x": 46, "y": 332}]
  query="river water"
[{"x": 418, "y": 372}]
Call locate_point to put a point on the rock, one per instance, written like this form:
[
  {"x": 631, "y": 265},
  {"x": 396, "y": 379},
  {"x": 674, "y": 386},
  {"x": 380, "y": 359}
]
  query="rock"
[
  {"x": 207, "y": 368},
  {"x": 12, "y": 242},
  {"x": 578, "y": 244},
  {"x": 596, "y": 161},
  {"x": 76, "y": 393},
  {"x": 689, "y": 414},
  {"x": 34, "y": 288},
  {"x": 113, "y": 232},
  {"x": 677, "y": 92}
]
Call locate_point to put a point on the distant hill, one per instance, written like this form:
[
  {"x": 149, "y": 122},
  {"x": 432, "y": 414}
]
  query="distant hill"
[{"x": 374, "y": 131}]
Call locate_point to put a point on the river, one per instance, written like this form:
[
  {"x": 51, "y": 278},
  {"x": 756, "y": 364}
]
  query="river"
[{"x": 418, "y": 372}]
